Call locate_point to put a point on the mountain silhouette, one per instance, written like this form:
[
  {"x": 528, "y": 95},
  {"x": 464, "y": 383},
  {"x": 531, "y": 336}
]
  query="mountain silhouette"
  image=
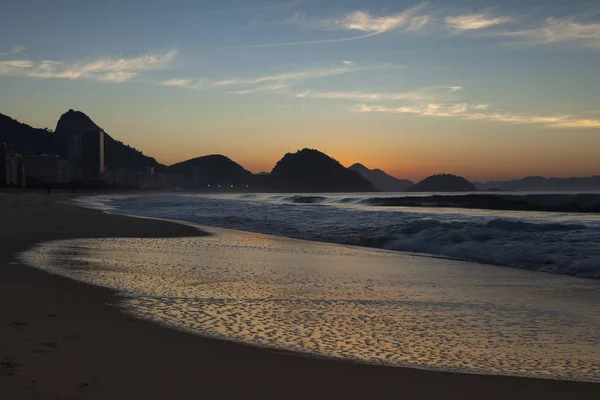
[
  {"x": 305, "y": 170},
  {"x": 212, "y": 170},
  {"x": 312, "y": 171},
  {"x": 381, "y": 180},
  {"x": 25, "y": 139},
  {"x": 443, "y": 183},
  {"x": 116, "y": 153},
  {"x": 73, "y": 122}
]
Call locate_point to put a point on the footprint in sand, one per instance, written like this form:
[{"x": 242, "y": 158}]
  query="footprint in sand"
[
  {"x": 45, "y": 346},
  {"x": 85, "y": 385},
  {"x": 18, "y": 324},
  {"x": 9, "y": 367}
]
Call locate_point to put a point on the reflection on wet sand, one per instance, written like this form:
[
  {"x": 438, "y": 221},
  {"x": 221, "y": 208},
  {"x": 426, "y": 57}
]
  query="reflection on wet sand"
[{"x": 337, "y": 301}]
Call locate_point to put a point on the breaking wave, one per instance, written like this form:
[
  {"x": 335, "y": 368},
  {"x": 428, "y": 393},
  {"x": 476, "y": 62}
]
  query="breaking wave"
[
  {"x": 585, "y": 203},
  {"x": 533, "y": 202},
  {"x": 552, "y": 242}
]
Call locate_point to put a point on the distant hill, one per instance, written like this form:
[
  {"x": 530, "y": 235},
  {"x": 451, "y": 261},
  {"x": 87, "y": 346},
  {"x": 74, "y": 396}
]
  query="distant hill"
[
  {"x": 116, "y": 153},
  {"x": 312, "y": 171},
  {"x": 443, "y": 183},
  {"x": 25, "y": 139},
  {"x": 538, "y": 183},
  {"x": 213, "y": 170},
  {"x": 381, "y": 180}
]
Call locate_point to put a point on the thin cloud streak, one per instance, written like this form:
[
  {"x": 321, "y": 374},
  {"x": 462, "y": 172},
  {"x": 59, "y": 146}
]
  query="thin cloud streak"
[
  {"x": 274, "y": 87},
  {"x": 184, "y": 83},
  {"x": 557, "y": 30},
  {"x": 422, "y": 94},
  {"x": 359, "y": 21},
  {"x": 470, "y": 22},
  {"x": 275, "y": 82},
  {"x": 302, "y": 75},
  {"x": 474, "y": 113},
  {"x": 426, "y": 20},
  {"x": 104, "y": 70},
  {"x": 310, "y": 41}
]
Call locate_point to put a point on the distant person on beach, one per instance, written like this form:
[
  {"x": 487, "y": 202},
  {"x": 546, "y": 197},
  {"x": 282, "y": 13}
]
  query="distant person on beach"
[{"x": 49, "y": 189}]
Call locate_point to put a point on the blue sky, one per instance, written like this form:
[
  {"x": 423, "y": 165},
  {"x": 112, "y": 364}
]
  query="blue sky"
[{"x": 486, "y": 89}]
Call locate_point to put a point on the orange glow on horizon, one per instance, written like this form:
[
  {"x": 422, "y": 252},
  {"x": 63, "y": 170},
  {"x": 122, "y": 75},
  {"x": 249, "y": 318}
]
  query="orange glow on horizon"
[
  {"x": 406, "y": 158},
  {"x": 412, "y": 169}
]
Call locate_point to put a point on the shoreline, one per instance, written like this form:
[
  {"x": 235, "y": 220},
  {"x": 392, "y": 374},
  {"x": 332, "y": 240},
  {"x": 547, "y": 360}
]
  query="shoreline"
[
  {"x": 59, "y": 347},
  {"x": 539, "y": 242},
  {"x": 207, "y": 231}
]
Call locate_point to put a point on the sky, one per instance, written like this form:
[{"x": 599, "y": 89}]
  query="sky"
[{"x": 484, "y": 89}]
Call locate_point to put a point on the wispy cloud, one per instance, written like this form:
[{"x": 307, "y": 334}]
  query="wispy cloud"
[
  {"x": 364, "y": 22},
  {"x": 297, "y": 76},
  {"x": 476, "y": 113},
  {"x": 184, "y": 83},
  {"x": 421, "y": 94},
  {"x": 417, "y": 23},
  {"x": 359, "y": 21},
  {"x": 347, "y": 39},
  {"x": 427, "y": 19},
  {"x": 117, "y": 76},
  {"x": 106, "y": 69},
  {"x": 272, "y": 87},
  {"x": 556, "y": 30},
  {"x": 17, "y": 48},
  {"x": 272, "y": 82},
  {"x": 278, "y": 82},
  {"x": 470, "y": 22}
]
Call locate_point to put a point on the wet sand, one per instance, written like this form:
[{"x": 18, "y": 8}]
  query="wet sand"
[{"x": 65, "y": 339}]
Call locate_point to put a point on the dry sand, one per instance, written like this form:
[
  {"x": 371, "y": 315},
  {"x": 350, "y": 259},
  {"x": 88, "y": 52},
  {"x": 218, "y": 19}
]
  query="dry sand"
[{"x": 61, "y": 339}]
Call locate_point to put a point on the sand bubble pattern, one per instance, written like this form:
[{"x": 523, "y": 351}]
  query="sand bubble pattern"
[{"x": 336, "y": 301}]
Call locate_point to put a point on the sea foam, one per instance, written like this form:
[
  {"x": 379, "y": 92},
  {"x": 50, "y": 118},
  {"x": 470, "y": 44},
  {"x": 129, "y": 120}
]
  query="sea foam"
[{"x": 564, "y": 243}]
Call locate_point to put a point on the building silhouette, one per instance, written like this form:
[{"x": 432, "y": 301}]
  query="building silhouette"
[
  {"x": 47, "y": 168},
  {"x": 12, "y": 171},
  {"x": 85, "y": 150}
]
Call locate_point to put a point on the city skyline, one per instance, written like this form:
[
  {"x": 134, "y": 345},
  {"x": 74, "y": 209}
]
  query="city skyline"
[{"x": 476, "y": 88}]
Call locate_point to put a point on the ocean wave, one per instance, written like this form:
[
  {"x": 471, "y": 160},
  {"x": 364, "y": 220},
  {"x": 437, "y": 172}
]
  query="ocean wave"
[
  {"x": 551, "y": 242},
  {"x": 305, "y": 199},
  {"x": 542, "y": 202},
  {"x": 564, "y": 249},
  {"x": 572, "y": 203}
]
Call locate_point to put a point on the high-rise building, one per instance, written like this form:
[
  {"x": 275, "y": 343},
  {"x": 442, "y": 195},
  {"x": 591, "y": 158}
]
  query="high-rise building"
[{"x": 86, "y": 151}]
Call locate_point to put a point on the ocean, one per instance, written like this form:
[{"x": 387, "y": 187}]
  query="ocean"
[
  {"x": 477, "y": 291},
  {"x": 558, "y": 242}
]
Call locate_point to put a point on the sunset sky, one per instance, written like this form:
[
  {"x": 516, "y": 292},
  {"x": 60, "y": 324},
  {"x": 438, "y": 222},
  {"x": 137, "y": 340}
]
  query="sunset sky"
[{"x": 484, "y": 89}]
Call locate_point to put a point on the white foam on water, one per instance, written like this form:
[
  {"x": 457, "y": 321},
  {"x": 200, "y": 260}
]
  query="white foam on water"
[{"x": 563, "y": 243}]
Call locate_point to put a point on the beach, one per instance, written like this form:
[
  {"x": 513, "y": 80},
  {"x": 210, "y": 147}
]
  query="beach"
[{"x": 65, "y": 339}]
